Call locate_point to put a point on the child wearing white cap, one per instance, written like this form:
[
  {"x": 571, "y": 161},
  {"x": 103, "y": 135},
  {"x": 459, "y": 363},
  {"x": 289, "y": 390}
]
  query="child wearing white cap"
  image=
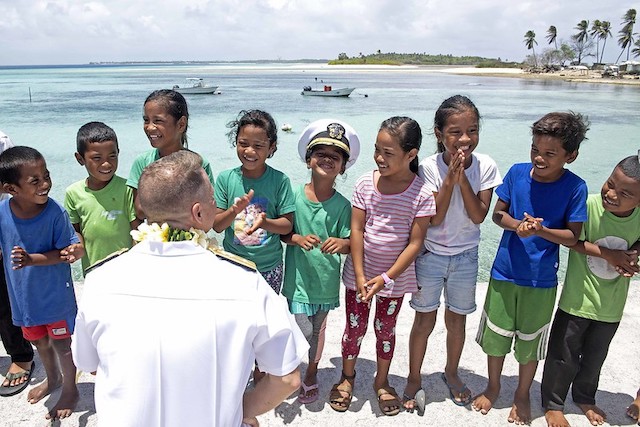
[{"x": 320, "y": 234}]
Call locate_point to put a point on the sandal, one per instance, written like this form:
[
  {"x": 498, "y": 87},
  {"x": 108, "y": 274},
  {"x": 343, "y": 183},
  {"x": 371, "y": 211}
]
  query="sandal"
[
  {"x": 10, "y": 390},
  {"x": 460, "y": 396},
  {"x": 419, "y": 402},
  {"x": 389, "y": 407},
  {"x": 308, "y": 393},
  {"x": 337, "y": 399}
]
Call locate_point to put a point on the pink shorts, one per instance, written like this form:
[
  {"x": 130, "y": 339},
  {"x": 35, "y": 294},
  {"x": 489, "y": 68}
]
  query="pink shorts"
[{"x": 57, "y": 330}]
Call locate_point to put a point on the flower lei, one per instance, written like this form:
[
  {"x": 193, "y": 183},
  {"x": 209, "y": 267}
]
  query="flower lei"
[{"x": 163, "y": 233}]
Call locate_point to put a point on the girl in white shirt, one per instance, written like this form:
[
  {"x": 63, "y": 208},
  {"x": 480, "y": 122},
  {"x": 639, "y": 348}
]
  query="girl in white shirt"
[{"x": 462, "y": 183}]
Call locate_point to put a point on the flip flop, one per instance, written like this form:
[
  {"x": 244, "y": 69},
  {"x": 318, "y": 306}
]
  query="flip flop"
[
  {"x": 458, "y": 392},
  {"x": 15, "y": 389},
  {"x": 304, "y": 397},
  {"x": 420, "y": 402}
]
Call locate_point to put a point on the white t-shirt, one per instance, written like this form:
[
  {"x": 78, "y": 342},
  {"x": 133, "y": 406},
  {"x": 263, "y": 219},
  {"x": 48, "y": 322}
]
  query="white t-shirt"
[
  {"x": 173, "y": 332},
  {"x": 457, "y": 233},
  {"x": 5, "y": 143}
]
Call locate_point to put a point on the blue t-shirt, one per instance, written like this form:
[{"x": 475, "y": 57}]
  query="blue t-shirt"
[
  {"x": 534, "y": 261},
  {"x": 38, "y": 294}
]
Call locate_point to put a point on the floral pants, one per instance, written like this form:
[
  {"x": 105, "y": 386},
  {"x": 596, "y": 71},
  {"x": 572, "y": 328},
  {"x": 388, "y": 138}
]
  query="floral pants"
[
  {"x": 357, "y": 312},
  {"x": 274, "y": 277}
]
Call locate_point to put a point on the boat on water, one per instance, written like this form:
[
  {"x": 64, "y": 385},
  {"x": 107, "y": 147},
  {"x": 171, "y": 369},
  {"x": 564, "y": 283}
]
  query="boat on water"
[
  {"x": 327, "y": 91},
  {"x": 195, "y": 85}
]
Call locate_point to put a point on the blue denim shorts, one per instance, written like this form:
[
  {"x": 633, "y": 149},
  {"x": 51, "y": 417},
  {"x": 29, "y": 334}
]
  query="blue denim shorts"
[{"x": 455, "y": 274}]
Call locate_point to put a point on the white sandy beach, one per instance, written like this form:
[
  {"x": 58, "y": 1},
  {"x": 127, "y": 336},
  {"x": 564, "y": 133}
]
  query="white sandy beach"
[{"x": 619, "y": 381}]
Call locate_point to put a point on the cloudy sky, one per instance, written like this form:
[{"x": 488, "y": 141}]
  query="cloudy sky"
[{"x": 77, "y": 32}]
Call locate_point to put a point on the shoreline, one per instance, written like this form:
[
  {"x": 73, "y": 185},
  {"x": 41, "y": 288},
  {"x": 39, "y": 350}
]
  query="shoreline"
[{"x": 578, "y": 76}]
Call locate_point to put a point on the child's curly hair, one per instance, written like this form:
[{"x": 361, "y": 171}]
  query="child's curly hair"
[{"x": 571, "y": 128}]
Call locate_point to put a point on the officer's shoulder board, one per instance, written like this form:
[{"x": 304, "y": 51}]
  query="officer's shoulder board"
[
  {"x": 105, "y": 260},
  {"x": 234, "y": 259}
]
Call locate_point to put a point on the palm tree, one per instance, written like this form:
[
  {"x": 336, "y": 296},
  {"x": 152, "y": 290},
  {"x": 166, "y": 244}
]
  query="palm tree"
[
  {"x": 552, "y": 35},
  {"x": 636, "y": 49},
  {"x": 625, "y": 40},
  {"x": 581, "y": 37},
  {"x": 605, "y": 33},
  {"x": 595, "y": 31},
  {"x": 583, "y": 31},
  {"x": 529, "y": 41}
]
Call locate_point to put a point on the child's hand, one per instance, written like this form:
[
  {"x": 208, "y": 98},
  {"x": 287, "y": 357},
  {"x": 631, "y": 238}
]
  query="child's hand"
[
  {"x": 361, "y": 289},
  {"x": 257, "y": 222},
  {"x": 20, "y": 258},
  {"x": 71, "y": 253},
  {"x": 373, "y": 286},
  {"x": 529, "y": 226},
  {"x": 333, "y": 245},
  {"x": 625, "y": 262},
  {"x": 307, "y": 242},
  {"x": 456, "y": 167},
  {"x": 240, "y": 203}
]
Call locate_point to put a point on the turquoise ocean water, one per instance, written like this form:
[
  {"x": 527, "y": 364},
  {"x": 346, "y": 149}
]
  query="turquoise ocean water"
[{"x": 65, "y": 97}]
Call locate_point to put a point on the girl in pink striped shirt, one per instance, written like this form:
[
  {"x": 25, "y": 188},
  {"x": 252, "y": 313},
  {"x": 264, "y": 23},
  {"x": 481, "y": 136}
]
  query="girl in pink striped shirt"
[{"x": 389, "y": 220}]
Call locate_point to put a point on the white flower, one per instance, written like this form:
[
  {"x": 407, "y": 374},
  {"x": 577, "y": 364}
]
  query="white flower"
[
  {"x": 199, "y": 237},
  {"x": 152, "y": 232}
]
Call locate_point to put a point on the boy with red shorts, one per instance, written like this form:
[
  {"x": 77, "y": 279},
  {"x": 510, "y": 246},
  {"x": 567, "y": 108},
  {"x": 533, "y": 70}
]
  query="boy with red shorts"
[{"x": 38, "y": 242}]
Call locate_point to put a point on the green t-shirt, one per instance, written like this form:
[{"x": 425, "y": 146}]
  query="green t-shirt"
[
  {"x": 104, "y": 216},
  {"x": 592, "y": 289},
  {"x": 311, "y": 276},
  {"x": 148, "y": 157},
  {"x": 273, "y": 195}
]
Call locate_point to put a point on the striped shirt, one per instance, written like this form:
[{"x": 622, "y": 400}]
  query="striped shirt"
[{"x": 388, "y": 221}]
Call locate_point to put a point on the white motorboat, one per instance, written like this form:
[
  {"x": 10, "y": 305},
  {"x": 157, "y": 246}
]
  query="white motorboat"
[
  {"x": 195, "y": 85},
  {"x": 327, "y": 91}
]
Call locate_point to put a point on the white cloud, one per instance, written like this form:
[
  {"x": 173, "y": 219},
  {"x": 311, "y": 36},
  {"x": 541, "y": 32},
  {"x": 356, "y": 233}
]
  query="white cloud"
[{"x": 75, "y": 31}]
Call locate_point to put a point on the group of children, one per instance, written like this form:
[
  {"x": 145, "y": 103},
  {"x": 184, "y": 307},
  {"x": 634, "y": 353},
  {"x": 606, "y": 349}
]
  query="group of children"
[{"x": 411, "y": 227}]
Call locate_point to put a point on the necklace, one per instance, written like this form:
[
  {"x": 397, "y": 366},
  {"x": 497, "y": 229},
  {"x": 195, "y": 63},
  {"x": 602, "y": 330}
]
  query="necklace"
[{"x": 164, "y": 233}]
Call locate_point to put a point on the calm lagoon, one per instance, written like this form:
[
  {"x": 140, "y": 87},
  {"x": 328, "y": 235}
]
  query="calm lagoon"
[{"x": 65, "y": 97}]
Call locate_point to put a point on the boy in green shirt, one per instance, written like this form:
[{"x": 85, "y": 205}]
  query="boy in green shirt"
[
  {"x": 101, "y": 206},
  {"x": 593, "y": 296}
]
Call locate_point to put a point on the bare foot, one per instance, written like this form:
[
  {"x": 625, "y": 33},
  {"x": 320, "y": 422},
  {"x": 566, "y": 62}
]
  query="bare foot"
[
  {"x": 595, "y": 415},
  {"x": 484, "y": 402},
  {"x": 65, "y": 405},
  {"x": 43, "y": 389},
  {"x": 633, "y": 411},
  {"x": 556, "y": 419},
  {"x": 520, "y": 411}
]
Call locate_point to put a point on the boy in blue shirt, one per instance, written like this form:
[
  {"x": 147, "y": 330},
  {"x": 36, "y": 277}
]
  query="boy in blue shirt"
[
  {"x": 38, "y": 243},
  {"x": 100, "y": 206},
  {"x": 593, "y": 296},
  {"x": 541, "y": 205}
]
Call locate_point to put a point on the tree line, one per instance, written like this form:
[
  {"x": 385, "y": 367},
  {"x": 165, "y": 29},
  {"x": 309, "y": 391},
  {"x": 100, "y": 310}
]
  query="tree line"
[
  {"x": 393, "y": 58},
  {"x": 581, "y": 43}
]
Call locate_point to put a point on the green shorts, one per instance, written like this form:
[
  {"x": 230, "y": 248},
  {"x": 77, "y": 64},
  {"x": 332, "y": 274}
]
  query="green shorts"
[{"x": 520, "y": 312}]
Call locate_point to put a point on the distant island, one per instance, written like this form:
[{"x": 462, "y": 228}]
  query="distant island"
[
  {"x": 371, "y": 59},
  {"x": 245, "y": 61},
  {"x": 393, "y": 58}
]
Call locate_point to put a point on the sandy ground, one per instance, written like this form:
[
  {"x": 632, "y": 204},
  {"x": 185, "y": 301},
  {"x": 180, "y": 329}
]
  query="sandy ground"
[
  {"x": 583, "y": 76},
  {"x": 619, "y": 381}
]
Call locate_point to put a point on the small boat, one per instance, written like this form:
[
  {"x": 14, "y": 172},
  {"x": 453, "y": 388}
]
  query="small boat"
[
  {"x": 287, "y": 127},
  {"x": 195, "y": 85},
  {"x": 327, "y": 91}
]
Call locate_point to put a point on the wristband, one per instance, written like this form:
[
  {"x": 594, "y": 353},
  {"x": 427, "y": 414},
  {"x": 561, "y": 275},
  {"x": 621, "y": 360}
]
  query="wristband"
[{"x": 388, "y": 281}]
